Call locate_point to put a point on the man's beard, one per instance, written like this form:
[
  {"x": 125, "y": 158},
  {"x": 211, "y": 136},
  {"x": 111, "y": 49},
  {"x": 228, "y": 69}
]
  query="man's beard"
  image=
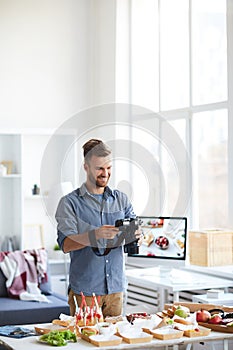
[{"x": 100, "y": 180}]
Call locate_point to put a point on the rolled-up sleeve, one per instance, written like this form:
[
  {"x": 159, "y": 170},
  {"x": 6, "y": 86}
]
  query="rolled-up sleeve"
[{"x": 66, "y": 219}]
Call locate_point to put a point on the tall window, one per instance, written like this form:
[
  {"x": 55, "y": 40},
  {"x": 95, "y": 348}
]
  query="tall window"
[{"x": 177, "y": 67}]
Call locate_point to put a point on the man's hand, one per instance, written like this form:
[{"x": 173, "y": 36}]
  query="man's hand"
[{"x": 106, "y": 231}]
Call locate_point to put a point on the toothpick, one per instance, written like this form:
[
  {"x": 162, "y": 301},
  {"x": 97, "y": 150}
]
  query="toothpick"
[
  {"x": 76, "y": 303},
  {"x": 96, "y": 302}
]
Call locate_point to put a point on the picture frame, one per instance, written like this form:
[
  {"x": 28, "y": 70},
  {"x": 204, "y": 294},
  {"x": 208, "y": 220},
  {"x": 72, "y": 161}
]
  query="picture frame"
[{"x": 8, "y": 164}]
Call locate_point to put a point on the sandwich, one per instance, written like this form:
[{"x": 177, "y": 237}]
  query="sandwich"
[{"x": 88, "y": 331}]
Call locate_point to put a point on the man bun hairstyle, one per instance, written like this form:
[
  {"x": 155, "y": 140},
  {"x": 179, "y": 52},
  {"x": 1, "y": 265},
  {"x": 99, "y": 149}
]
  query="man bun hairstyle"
[{"x": 95, "y": 147}]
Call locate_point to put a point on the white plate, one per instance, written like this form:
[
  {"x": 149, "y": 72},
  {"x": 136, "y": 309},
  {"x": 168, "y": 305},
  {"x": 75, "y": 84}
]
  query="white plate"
[
  {"x": 165, "y": 330},
  {"x": 134, "y": 335},
  {"x": 41, "y": 341},
  {"x": 103, "y": 337}
]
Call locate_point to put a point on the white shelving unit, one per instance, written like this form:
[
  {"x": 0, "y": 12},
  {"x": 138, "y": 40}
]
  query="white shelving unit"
[{"x": 18, "y": 206}]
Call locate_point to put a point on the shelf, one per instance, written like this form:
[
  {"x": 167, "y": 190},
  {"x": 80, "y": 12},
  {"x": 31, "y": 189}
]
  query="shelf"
[
  {"x": 34, "y": 197},
  {"x": 11, "y": 176}
]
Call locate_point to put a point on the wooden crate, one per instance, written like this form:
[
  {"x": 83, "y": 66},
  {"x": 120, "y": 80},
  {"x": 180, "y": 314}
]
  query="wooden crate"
[{"x": 211, "y": 247}]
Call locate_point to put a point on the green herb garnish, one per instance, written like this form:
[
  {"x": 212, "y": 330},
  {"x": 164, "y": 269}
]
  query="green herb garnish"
[
  {"x": 58, "y": 338},
  {"x": 170, "y": 321}
]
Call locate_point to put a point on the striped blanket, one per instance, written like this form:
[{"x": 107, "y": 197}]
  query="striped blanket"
[{"x": 24, "y": 271}]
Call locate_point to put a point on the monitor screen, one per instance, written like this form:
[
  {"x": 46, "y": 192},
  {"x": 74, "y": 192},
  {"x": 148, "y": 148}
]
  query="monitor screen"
[{"x": 164, "y": 238}]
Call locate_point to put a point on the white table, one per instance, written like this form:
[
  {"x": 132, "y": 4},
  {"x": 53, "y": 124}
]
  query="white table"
[
  {"x": 225, "y": 299},
  {"x": 225, "y": 271},
  {"x": 174, "y": 281},
  {"x": 32, "y": 343}
]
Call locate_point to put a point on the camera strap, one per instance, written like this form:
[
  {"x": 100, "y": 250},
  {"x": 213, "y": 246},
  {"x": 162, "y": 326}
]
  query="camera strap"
[
  {"x": 98, "y": 253},
  {"x": 94, "y": 244}
]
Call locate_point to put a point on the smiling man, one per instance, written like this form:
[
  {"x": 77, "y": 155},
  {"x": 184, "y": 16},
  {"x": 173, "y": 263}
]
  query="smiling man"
[{"x": 86, "y": 229}]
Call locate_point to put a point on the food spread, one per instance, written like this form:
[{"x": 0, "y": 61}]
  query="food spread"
[{"x": 173, "y": 322}]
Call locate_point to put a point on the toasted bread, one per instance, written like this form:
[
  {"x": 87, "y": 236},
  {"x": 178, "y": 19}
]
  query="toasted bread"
[
  {"x": 113, "y": 319},
  {"x": 61, "y": 323},
  {"x": 181, "y": 320}
]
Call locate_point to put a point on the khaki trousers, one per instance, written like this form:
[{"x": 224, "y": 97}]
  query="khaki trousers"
[{"x": 111, "y": 304}]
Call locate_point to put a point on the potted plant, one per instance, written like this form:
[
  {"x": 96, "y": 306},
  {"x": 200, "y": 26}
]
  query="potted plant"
[{"x": 56, "y": 252}]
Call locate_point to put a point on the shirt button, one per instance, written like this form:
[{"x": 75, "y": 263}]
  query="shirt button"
[
  {"x": 106, "y": 261},
  {"x": 107, "y": 275}
]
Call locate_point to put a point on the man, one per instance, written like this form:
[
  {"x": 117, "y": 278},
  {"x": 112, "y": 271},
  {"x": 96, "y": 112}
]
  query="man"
[{"x": 86, "y": 229}]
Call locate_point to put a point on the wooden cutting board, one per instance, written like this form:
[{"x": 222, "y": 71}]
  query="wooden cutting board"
[{"x": 217, "y": 327}]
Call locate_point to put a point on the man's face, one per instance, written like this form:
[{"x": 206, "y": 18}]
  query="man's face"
[{"x": 99, "y": 170}]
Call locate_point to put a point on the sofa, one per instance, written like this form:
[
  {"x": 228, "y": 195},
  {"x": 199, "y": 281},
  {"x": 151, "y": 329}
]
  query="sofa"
[{"x": 19, "y": 312}]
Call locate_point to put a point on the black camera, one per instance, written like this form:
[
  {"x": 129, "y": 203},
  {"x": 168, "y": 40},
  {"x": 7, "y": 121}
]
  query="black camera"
[{"x": 128, "y": 228}]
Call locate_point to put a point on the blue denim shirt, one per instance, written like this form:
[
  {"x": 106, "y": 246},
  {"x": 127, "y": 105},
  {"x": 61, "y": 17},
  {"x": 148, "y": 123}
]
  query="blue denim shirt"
[{"x": 79, "y": 212}]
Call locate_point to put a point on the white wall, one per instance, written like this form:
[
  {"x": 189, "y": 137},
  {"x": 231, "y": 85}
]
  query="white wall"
[
  {"x": 102, "y": 51},
  {"x": 56, "y": 58}
]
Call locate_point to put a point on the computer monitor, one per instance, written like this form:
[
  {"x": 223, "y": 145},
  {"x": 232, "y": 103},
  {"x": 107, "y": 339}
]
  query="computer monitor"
[{"x": 164, "y": 241}]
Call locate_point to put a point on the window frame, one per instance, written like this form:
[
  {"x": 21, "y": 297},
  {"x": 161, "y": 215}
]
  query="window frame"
[{"x": 187, "y": 113}]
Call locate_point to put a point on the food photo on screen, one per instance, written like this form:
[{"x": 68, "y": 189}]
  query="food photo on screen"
[{"x": 163, "y": 237}]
